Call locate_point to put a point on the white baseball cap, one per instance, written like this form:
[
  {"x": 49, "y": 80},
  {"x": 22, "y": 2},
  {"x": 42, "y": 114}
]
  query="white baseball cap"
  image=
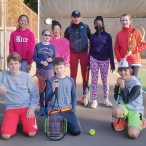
[{"x": 123, "y": 64}]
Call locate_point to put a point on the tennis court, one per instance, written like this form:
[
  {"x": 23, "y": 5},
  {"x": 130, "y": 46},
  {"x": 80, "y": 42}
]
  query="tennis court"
[{"x": 98, "y": 119}]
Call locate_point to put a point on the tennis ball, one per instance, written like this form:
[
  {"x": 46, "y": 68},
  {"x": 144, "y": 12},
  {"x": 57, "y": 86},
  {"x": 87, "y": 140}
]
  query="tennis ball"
[
  {"x": 85, "y": 102},
  {"x": 92, "y": 132}
]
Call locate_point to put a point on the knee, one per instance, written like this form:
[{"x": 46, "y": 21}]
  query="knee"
[
  {"x": 117, "y": 113},
  {"x": 6, "y": 136},
  {"x": 133, "y": 133},
  {"x": 31, "y": 134},
  {"x": 75, "y": 132}
]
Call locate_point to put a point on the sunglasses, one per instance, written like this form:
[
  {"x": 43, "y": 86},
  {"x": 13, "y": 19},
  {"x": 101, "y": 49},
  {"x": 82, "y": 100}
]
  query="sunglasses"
[{"x": 47, "y": 35}]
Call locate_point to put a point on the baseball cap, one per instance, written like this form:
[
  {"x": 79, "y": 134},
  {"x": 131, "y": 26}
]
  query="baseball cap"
[
  {"x": 123, "y": 64},
  {"x": 76, "y": 13}
]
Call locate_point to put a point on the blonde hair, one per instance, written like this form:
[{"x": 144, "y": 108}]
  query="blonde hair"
[{"x": 126, "y": 14}]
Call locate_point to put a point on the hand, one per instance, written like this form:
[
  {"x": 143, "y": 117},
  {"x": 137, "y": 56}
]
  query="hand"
[
  {"x": 55, "y": 84},
  {"x": 30, "y": 113},
  {"x": 129, "y": 53},
  {"x": 112, "y": 70},
  {"x": 3, "y": 90},
  {"x": 49, "y": 59},
  {"x": 29, "y": 67},
  {"x": 45, "y": 63},
  {"x": 120, "y": 82}
]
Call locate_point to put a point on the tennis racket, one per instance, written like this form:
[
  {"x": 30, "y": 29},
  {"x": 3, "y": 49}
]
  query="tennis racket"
[
  {"x": 119, "y": 93},
  {"x": 134, "y": 41},
  {"x": 41, "y": 81},
  {"x": 86, "y": 95},
  {"x": 55, "y": 124}
]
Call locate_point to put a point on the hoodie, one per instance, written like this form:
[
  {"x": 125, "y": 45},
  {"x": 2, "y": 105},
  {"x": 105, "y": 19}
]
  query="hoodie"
[{"x": 22, "y": 42}]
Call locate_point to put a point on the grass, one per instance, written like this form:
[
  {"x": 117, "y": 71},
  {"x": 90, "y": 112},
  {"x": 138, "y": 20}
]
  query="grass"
[{"x": 142, "y": 76}]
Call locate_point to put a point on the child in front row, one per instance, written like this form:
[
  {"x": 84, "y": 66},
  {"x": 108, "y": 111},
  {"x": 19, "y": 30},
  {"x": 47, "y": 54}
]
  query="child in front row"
[
  {"x": 130, "y": 109},
  {"x": 66, "y": 95}
]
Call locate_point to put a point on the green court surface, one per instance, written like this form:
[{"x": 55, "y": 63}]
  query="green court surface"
[{"x": 142, "y": 76}]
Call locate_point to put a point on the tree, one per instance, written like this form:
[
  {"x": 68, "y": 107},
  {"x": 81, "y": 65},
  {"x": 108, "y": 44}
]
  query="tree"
[{"x": 32, "y": 4}]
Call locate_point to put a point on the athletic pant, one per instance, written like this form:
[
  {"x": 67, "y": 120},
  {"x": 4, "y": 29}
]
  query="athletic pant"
[
  {"x": 75, "y": 58},
  {"x": 73, "y": 125},
  {"x": 95, "y": 65},
  {"x": 135, "y": 70}
]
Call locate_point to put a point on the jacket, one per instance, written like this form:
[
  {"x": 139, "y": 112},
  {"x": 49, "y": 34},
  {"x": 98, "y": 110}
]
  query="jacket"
[
  {"x": 78, "y": 35},
  {"x": 123, "y": 42},
  {"x": 101, "y": 47}
]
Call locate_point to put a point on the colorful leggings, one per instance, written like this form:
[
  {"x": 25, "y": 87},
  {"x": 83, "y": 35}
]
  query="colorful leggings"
[{"x": 95, "y": 65}]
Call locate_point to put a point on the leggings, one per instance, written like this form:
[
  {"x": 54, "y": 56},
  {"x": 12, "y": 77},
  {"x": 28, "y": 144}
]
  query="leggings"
[{"x": 95, "y": 65}]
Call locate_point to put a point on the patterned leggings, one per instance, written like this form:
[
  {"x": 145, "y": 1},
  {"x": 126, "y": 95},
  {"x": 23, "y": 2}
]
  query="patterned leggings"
[{"x": 95, "y": 65}]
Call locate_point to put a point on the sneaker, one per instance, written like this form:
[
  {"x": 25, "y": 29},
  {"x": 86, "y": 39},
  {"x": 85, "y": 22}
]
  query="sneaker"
[
  {"x": 82, "y": 100},
  {"x": 42, "y": 111},
  {"x": 107, "y": 103},
  {"x": 143, "y": 123},
  {"x": 94, "y": 104},
  {"x": 119, "y": 124}
]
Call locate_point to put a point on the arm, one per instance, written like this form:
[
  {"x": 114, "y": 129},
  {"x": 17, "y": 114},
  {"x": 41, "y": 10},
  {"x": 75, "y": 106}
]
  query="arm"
[
  {"x": 140, "y": 48},
  {"x": 110, "y": 53},
  {"x": 11, "y": 44},
  {"x": 88, "y": 32},
  {"x": 34, "y": 93},
  {"x": 67, "y": 54},
  {"x": 116, "y": 89},
  {"x": 116, "y": 49},
  {"x": 129, "y": 97},
  {"x": 30, "y": 49},
  {"x": 73, "y": 96},
  {"x": 66, "y": 34},
  {"x": 49, "y": 91}
]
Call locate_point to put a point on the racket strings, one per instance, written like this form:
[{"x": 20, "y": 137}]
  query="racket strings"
[{"x": 56, "y": 127}]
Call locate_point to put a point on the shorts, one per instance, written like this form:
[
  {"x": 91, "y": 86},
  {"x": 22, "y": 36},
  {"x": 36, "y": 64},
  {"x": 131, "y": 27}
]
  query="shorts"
[
  {"x": 11, "y": 119},
  {"x": 134, "y": 117}
]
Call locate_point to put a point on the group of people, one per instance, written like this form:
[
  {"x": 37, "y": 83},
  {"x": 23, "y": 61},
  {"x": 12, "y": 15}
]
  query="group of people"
[{"x": 53, "y": 54}]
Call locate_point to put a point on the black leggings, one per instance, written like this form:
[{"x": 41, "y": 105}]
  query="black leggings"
[{"x": 135, "y": 70}]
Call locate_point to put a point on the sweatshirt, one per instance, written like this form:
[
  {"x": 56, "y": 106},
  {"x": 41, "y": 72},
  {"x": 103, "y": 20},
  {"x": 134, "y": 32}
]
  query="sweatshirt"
[
  {"x": 42, "y": 52},
  {"x": 21, "y": 90},
  {"x": 22, "y": 42},
  {"x": 66, "y": 93},
  {"x": 62, "y": 48}
]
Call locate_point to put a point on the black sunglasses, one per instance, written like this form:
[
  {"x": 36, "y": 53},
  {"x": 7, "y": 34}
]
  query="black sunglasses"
[{"x": 47, "y": 35}]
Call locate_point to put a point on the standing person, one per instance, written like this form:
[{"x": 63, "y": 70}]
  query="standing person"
[
  {"x": 61, "y": 44},
  {"x": 78, "y": 34},
  {"x": 130, "y": 109},
  {"x": 122, "y": 44},
  {"x": 100, "y": 54},
  {"x": 66, "y": 95},
  {"x": 21, "y": 97},
  {"x": 44, "y": 53},
  {"x": 22, "y": 42}
]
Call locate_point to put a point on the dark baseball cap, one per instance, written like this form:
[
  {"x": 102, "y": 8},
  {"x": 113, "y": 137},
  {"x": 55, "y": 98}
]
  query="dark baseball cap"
[{"x": 76, "y": 13}]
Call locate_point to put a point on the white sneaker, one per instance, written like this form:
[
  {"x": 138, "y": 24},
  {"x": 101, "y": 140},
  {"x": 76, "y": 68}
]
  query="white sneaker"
[
  {"x": 94, "y": 104},
  {"x": 107, "y": 103}
]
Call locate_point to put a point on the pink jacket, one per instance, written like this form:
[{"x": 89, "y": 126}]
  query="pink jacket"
[
  {"x": 22, "y": 42},
  {"x": 62, "y": 48}
]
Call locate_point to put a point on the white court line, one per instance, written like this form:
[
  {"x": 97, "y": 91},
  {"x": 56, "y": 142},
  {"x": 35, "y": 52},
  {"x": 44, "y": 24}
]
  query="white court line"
[
  {"x": 143, "y": 69},
  {"x": 119, "y": 75}
]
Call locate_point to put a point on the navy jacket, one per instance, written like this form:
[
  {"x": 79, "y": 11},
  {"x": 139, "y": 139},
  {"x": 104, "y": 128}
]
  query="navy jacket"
[
  {"x": 78, "y": 35},
  {"x": 101, "y": 47}
]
